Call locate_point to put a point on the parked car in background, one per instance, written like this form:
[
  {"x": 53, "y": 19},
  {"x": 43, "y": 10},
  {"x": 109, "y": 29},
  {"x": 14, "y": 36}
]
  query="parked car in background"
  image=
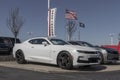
[
  {"x": 115, "y": 47},
  {"x": 6, "y": 45},
  {"x": 106, "y": 54},
  {"x": 54, "y": 51}
]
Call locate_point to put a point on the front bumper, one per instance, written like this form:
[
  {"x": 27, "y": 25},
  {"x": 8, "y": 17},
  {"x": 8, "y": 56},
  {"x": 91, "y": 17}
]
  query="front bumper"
[
  {"x": 86, "y": 59},
  {"x": 111, "y": 56}
]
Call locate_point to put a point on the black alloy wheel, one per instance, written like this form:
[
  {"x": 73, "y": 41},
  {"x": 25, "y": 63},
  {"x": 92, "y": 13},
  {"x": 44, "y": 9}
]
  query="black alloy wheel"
[
  {"x": 20, "y": 57},
  {"x": 64, "y": 60}
]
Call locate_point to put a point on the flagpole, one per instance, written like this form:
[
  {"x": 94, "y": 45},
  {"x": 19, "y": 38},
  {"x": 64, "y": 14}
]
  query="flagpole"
[
  {"x": 48, "y": 18},
  {"x": 79, "y": 34},
  {"x": 48, "y": 4}
]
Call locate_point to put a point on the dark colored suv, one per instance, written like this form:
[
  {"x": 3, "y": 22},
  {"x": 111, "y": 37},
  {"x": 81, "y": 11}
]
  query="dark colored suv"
[{"x": 6, "y": 44}]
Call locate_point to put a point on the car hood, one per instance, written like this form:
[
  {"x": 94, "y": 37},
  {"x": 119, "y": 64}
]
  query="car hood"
[{"x": 82, "y": 48}]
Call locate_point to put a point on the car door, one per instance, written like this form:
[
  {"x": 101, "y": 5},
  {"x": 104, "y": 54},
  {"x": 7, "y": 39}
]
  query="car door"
[{"x": 40, "y": 52}]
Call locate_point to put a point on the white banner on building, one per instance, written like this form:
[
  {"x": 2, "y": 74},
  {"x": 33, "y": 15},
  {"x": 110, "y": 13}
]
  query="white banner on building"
[{"x": 51, "y": 21}]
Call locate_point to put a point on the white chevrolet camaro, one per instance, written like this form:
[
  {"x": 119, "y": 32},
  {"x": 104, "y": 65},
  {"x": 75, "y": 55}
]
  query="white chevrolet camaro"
[{"x": 54, "y": 51}]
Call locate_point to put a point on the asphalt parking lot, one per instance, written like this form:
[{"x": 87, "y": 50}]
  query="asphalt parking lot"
[
  {"x": 11, "y": 70},
  {"x": 52, "y": 68},
  {"x": 20, "y": 74}
]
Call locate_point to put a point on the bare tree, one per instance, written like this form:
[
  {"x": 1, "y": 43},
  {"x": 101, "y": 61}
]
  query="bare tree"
[
  {"x": 15, "y": 22},
  {"x": 71, "y": 28}
]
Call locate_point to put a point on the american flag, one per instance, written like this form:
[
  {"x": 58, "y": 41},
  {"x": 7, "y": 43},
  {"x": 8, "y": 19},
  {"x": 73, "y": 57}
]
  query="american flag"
[{"x": 71, "y": 15}]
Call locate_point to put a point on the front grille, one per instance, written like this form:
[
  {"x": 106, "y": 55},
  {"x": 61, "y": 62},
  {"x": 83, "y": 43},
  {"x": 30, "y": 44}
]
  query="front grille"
[
  {"x": 89, "y": 52},
  {"x": 93, "y": 60},
  {"x": 90, "y": 60},
  {"x": 113, "y": 52},
  {"x": 113, "y": 56}
]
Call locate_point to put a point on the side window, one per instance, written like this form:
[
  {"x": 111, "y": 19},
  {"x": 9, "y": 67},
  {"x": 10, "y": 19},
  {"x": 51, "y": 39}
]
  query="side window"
[
  {"x": 7, "y": 42},
  {"x": 34, "y": 41},
  {"x": 37, "y": 41},
  {"x": 74, "y": 43},
  {"x": 1, "y": 41}
]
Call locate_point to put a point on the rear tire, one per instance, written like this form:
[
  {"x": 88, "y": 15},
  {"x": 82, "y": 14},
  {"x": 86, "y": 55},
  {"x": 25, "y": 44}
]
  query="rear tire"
[
  {"x": 20, "y": 57},
  {"x": 64, "y": 60}
]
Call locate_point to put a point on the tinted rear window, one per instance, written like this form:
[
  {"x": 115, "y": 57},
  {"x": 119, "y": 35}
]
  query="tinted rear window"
[{"x": 13, "y": 40}]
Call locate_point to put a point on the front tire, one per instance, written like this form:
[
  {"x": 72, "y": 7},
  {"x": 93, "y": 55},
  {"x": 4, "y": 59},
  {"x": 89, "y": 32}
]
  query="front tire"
[
  {"x": 65, "y": 60},
  {"x": 20, "y": 57}
]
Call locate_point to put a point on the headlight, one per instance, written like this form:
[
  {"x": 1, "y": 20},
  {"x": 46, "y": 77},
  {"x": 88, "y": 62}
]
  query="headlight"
[
  {"x": 103, "y": 51},
  {"x": 80, "y": 51},
  {"x": 98, "y": 52}
]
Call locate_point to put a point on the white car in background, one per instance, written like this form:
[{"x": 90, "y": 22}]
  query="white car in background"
[
  {"x": 54, "y": 51},
  {"x": 106, "y": 54}
]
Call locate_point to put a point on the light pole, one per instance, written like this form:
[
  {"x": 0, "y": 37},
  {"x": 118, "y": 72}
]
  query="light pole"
[
  {"x": 119, "y": 37},
  {"x": 29, "y": 33},
  {"x": 111, "y": 38}
]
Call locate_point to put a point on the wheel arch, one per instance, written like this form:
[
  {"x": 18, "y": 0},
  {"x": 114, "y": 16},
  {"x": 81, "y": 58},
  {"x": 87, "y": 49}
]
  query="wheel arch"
[
  {"x": 19, "y": 50},
  {"x": 20, "y": 57},
  {"x": 67, "y": 52},
  {"x": 102, "y": 57}
]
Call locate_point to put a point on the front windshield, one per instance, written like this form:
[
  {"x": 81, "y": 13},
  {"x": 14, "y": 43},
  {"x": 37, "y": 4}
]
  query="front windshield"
[{"x": 58, "y": 42}]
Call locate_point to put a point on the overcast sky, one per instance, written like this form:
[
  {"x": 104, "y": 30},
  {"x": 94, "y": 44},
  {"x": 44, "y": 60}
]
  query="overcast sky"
[{"x": 101, "y": 17}]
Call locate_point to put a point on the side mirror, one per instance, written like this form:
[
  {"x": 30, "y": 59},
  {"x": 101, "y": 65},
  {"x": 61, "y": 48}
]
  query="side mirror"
[{"x": 45, "y": 43}]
